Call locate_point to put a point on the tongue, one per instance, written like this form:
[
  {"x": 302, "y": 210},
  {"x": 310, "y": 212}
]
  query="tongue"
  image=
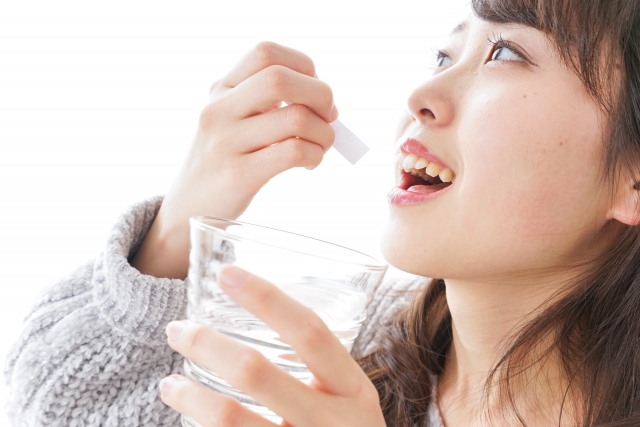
[{"x": 426, "y": 189}]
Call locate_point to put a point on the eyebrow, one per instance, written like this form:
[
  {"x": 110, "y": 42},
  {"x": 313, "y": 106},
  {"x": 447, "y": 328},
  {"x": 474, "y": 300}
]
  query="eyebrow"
[{"x": 458, "y": 28}]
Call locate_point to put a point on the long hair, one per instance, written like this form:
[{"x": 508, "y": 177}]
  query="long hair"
[{"x": 594, "y": 326}]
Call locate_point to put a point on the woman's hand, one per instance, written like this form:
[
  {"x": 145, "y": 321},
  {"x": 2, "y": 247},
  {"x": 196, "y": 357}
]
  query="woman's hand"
[
  {"x": 340, "y": 394},
  {"x": 244, "y": 139}
]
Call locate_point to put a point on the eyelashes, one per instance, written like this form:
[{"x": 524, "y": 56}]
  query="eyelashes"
[
  {"x": 440, "y": 55},
  {"x": 500, "y": 43}
]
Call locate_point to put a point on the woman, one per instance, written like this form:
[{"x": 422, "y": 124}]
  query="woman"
[{"x": 517, "y": 187}]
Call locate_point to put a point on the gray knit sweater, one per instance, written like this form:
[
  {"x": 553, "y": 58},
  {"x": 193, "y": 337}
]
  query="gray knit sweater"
[{"x": 93, "y": 348}]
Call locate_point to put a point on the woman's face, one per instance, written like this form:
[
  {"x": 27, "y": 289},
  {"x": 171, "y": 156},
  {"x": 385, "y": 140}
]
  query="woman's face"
[{"x": 524, "y": 142}]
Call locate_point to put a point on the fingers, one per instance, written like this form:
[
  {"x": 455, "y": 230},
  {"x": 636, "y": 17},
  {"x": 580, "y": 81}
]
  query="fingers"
[
  {"x": 298, "y": 326},
  {"x": 264, "y": 55},
  {"x": 278, "y": 83},
  {"x": 277, "y": 158},
  {"x": 244, "y": 368},
  {"x": 254, "y": 133},
  {"x": 205, "y": 406}
]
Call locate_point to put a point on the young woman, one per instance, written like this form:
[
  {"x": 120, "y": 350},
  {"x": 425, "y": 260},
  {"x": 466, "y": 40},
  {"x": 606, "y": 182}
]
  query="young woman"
[{"x": 517, "y": 187}]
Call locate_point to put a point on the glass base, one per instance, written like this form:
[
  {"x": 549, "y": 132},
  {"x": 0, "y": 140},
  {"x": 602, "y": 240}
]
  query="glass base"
[{"x": 217, "y": 384}]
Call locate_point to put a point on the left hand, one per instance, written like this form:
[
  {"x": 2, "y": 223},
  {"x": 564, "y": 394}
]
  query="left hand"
[{"x": 340, "y": 394}]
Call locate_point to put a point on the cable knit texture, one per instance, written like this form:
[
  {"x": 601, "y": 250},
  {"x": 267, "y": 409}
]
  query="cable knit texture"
[{"x": 93, "y": 348}]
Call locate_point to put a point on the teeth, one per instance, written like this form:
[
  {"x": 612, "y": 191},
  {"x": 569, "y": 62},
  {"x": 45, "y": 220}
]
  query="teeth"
[
  {"x": 421, "y": 163},
  {"x": 446, "y": 175},
  {"x": 418, "y": 166},
  {"x": 432, "y": 169},
  {"x": 400, "y": 157},
  {"x": 409, "y": 161}
]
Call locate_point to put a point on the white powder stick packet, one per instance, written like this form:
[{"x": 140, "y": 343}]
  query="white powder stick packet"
[{"x": 347, "y": 143}]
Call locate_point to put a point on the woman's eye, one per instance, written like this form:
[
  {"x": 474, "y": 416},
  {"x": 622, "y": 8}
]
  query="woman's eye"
[
  {"x": 503, "y": 53},
  {"x": 441, "y": 58}
]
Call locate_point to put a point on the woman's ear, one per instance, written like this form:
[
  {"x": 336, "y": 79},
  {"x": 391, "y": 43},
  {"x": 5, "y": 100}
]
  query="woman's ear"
[{"x": 626, "y": 208}]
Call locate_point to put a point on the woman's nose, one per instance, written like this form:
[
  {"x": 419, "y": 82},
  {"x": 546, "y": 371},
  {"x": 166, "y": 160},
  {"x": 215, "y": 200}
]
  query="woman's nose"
[{"x": 431, "y": 104}]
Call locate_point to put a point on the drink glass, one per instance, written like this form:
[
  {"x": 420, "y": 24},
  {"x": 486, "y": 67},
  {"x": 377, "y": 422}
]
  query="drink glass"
[{"x": 331, "y": 280}]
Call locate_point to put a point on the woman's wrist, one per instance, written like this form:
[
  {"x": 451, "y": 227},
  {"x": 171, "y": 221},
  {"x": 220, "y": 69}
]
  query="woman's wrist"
[{"x": 164, "y": 253}]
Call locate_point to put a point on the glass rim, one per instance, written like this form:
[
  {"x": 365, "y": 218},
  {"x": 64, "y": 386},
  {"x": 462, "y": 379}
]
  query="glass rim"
[{"x": 377, "y": 265}]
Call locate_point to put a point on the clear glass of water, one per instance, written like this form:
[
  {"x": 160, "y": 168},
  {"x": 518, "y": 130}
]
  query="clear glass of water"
[{"x": 330, "y": 279}]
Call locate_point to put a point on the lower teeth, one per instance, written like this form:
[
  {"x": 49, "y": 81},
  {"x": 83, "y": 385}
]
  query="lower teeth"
[{"x": 429, "y": 180}]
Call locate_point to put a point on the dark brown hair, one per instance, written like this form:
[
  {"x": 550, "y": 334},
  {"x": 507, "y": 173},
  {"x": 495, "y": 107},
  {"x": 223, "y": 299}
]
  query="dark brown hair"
[{"x": 594, "y": 325}]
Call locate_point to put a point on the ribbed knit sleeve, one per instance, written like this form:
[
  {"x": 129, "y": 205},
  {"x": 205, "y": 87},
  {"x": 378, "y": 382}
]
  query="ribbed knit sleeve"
[
  {"x": 134, "y": 305},
  {"x": 93, "y": 349}
]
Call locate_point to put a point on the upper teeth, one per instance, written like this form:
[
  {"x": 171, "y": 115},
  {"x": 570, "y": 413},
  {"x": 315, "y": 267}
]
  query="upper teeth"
[{"x": 422, "y": 167}]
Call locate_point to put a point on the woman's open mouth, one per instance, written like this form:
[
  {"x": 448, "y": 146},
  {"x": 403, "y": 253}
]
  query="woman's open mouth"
[{"x": 420, "y": 180}]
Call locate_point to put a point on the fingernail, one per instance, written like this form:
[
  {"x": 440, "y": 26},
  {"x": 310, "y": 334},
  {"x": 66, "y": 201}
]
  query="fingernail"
[
  {"x": 174, "y": 330},
  {"x": 166, "y": 386},
  {"x": 232, "y": 276},
  {"x": 334, "y": 113}
]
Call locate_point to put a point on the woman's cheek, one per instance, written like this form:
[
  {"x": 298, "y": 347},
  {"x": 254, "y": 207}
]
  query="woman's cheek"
[
  {"x": 509, "y": 197},
  {"x": 538, "y": 197}
]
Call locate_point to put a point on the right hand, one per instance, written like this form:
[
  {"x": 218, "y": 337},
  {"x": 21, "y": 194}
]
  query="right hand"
[{"x": 244, "y": 139}]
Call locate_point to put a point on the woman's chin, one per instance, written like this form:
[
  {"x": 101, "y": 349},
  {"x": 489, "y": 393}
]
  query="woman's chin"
[{"x": 399, "y": 253}]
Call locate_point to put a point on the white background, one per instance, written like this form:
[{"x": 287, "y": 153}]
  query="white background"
[{"x": 99, "y": 101}]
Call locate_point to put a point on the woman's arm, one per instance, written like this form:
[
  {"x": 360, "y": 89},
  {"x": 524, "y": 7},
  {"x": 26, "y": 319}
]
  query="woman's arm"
[{"x": 93, "y": 347}]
